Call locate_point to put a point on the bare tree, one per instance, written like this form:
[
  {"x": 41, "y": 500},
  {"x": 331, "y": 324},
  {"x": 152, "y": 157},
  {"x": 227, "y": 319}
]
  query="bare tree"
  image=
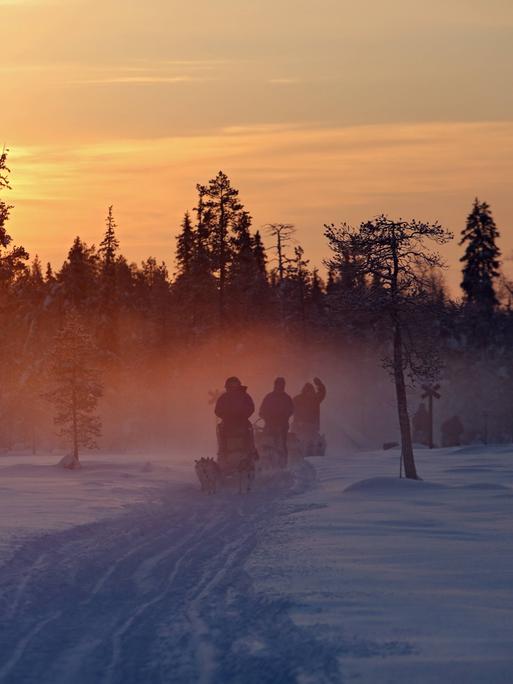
[
  {"x": 282, "y": 234},
  {"x": 388, "y": 256}
]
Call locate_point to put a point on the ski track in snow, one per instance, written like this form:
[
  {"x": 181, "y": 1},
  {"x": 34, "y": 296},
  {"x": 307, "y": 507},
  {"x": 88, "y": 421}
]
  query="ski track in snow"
[{"x": 157, "y": 594}]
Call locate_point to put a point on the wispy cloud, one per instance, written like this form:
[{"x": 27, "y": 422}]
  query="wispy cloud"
[
  {"x": 142, "y": 79},
  {"x": 285, "y": 81}
]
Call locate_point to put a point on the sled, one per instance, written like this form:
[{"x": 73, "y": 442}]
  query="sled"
[
  {"x": 236, "y": 456},
  {"x": 271, "y": 456}
]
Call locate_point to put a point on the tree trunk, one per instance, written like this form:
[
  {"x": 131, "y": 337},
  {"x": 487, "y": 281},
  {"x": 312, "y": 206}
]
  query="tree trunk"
[
  {"x": 402, "y": 406},
  {"x": 74, "y": 423}
]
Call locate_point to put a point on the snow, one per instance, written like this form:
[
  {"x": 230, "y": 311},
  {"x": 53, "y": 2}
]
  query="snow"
[
  {"x": 124, "y": 572},
  {"x": 37, "y": 495},
  {"x": 409, "y": 581}
]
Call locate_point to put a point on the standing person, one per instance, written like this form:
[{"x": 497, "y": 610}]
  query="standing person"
[
  {"x": 307, "y": 411},
  {"x": 276, "y": 410},
  {"x": 234, "y": 407}
]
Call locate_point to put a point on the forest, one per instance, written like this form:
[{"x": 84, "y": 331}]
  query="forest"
[{"x": 103, "y": 352}]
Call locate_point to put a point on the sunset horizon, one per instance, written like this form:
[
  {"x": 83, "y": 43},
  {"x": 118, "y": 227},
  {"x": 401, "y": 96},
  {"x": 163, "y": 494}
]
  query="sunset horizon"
[{"x": 319, "y": 117}]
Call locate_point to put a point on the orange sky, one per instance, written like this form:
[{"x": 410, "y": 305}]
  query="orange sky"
[{"x": 319, "y": 112}]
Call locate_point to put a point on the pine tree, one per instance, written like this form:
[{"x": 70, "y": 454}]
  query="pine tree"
[
  {"x": 109, "y": 245},
  {"x": 481, "y": 258},
  {"x": 78, "y": 276},
  {"x": 77, "y": 387},
  {"x": 11, "y": 258},
  {"x": 247, "y": 281},
  {"x": 49, "y": 276},
  {"x": 222, "y": 210},
  {"x": 391, "y": 252},
  {"x": 316, "y": 298},
  {"x": 108, "y": 293},
  {"x": 185, "y": 245},
  {"x": 259, "y": 253}
]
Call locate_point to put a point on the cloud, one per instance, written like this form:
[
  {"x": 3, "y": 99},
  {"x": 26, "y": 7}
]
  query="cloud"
[
  {"x": 284, "y": 81},
  {"x": 136, "y": 80}
]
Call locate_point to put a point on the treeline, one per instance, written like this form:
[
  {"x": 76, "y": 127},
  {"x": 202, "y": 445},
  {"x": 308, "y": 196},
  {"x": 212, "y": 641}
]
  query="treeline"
[{"x": 225, "y": 283}]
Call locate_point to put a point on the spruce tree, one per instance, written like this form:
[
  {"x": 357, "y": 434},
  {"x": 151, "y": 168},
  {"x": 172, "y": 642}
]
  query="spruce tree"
[
  {"x": 11, "y": 258},
  {"x": 77, "y": 387},
  {"x": 109, "y": 245},
  {"x": 185, "y": 245},
  {"x": 194, "y": 292},
  {"x": 247, "y": 278},
  {"x": 259, "y": 253},
  {"x": 109, "y": 304},
  {"x": 49, "y": 276},
  {"x": 222, "y": 210},
  {"x": 481, "y": 257},
  {"x": 79, "y": 276}
]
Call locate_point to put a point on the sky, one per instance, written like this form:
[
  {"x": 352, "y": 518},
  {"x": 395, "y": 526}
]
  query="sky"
[{"x": 320, "y": 112}]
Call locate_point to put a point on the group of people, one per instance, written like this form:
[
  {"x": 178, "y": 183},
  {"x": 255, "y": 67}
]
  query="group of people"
[{"x": 235, "y": 407}]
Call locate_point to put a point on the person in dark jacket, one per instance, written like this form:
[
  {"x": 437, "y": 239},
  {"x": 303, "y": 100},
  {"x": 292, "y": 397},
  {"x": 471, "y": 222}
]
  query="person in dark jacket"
[
  {"x": 276, "y": 410},
  {"x": 234, "y": 407},
  {"x": 307, "y": 410}
]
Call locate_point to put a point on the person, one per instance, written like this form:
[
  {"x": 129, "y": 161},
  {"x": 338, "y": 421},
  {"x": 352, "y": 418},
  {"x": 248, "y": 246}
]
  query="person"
[
  {"x": 276, "y": 410},
  {"x": 234, "y": 408},
  {"x": 307, "y": 410}
]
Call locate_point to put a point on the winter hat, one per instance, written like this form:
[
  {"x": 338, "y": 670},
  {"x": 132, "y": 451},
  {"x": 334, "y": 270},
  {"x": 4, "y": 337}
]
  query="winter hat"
[{"x": 233, "y": 383}]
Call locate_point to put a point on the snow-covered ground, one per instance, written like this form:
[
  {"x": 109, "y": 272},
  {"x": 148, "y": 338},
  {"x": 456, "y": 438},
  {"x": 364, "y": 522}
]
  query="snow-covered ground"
[
  {"x": 337, "y": 572},
  {"x": 409, "y": 581},
  {"x": 37, "y": 496}
]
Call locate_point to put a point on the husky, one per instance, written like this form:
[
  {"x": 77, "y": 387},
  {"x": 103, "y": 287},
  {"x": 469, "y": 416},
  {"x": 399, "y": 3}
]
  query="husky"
[{"x": 208, "y": 474}]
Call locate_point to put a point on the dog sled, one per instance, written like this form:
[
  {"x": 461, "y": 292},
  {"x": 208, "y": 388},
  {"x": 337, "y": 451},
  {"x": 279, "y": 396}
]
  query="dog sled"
[
  {"x": 272, "y": 454},
  {"x": 235, "y": 463}
]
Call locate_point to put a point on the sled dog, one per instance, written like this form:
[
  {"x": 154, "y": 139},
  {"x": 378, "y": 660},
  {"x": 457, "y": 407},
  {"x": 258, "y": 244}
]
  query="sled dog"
[{"x": 208, "y": 474}]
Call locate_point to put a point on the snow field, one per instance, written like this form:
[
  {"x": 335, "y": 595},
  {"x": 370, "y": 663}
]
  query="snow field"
[
  {"x": 408, "y": 581},
  {"x": 125, "y": 573}
]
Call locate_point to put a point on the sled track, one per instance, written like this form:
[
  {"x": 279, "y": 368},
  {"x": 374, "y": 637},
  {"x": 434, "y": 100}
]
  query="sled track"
[{"x": 158, "y": 594}]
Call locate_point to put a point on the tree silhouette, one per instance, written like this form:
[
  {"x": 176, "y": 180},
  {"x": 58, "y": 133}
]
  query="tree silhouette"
[
  {"x": 221, "y": 211},
  {"x": 11, "y": 258},
  {"x": 109, "y": 245},
  {"x": 282, "y": 235},
  {"x": 77, "y": 386},
  {"x": 481, "y": 257},
  {"x": 389, "y": 252}
]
